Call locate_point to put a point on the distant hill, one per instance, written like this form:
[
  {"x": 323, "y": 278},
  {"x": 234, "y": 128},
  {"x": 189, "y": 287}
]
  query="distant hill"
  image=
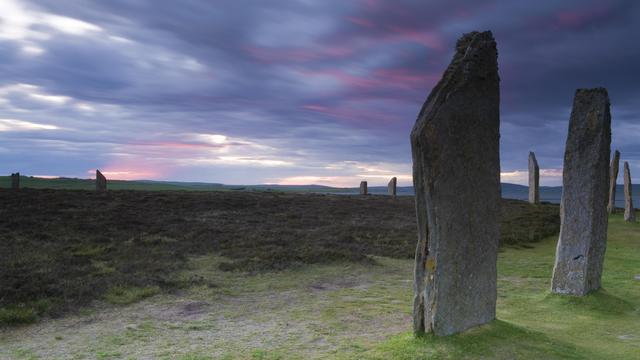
[{"x": 509, "y": 191}]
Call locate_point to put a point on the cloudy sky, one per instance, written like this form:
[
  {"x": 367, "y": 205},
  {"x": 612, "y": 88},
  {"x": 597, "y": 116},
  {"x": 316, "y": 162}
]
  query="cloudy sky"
[{"x": 292, "y": 91}]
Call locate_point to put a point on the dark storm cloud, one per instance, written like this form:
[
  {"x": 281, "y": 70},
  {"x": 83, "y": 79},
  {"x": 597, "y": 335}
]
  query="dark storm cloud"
[{"x": 306, "y": 91}]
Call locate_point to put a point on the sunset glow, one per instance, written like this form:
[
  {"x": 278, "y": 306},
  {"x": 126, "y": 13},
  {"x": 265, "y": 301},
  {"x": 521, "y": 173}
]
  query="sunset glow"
[{"x": 319, "y": 92}]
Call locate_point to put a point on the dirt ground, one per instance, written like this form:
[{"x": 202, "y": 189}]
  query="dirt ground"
[{"x": 309, "y": 312}]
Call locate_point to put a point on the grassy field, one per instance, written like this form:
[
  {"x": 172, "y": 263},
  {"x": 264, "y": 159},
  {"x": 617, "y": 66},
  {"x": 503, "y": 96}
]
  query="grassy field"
[
  {"x": 349, "y": 310},
  {"x": 63, "y": 249},
  {"x": 534, "y": 324},
  {"x": 146, "y": 185}
]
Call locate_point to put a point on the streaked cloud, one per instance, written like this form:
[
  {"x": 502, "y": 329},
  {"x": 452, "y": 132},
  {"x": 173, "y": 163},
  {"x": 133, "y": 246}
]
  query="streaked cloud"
[
  {"x": 20, "y": 125},
  {"x": 291, "y": 91}
]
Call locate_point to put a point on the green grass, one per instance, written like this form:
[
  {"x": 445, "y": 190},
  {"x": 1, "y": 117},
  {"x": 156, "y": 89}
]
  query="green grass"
[
  {"x": 24, "y": 313},
  {"x": 121, "y": 295},
  {"x": 89, "y": 184},
  {"x": 535, "y": 324},
  {"x": 347, "y": 310},
  {"x": 18, "y": 315}
]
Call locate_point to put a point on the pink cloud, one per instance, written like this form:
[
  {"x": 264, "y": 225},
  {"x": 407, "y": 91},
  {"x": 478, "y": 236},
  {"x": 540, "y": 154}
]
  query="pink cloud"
[
  {"x": 429, "y": 39},
  {"x": 579, "y": 17},
  {"x": 360, "y": 21},
  {"x": 379, "y": 79},
  {"x": 354, "y": 115},
  {"x": 573, "y": 18},
  {"x": 130, "y": 170},
  {"x": 284, "y": 55}
]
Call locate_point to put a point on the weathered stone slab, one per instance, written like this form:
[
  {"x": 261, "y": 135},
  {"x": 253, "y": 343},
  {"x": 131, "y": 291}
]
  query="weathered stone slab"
[
  {"x": 15, "y": 181},
  {"x": 456, "y": 174},
  {"x": 101, "y": 182},
  {"x": 583, "y": 208},
  {"x": 391, "y": 187},
  {"x": 629, "y": 211},
  {"x": 363, "y": 188},
  {"x": 613, "y": 178},
  {"x": 534, "y": 179}
]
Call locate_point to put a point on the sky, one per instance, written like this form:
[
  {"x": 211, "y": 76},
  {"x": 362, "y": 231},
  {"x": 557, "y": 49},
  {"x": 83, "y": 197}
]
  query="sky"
[{"x": 292, "y": 91}]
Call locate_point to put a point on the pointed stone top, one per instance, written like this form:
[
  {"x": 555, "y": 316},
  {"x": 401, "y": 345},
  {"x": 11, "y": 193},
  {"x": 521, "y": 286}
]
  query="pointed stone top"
[
  {"x": 468, "y": 38},
  {"x": 474, "y": 66},
  {"x": 616, "y": 153},
  {"x": 592, "y": 97},
  {"x": 101, "y": 181},
  {"x": 476, "y": 57},
  {"x": 595, "y": 91},
  {"x": 532, "y": 155}
]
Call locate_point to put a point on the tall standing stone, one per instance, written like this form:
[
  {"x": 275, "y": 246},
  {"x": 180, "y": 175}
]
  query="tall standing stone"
[
  {"x": 391, "y": 187},
  {"x": 613, "y": 178},
  {"x": 583, "y": 208},
  {"x": 534, "y": 179},
  {"x": 363, "y": 188},
  {"x": 456, "y": 175},
  {"x": 15, "y": 181},
  {"x": 629, "y": 211},
  {"x": 101, "y": 182}
]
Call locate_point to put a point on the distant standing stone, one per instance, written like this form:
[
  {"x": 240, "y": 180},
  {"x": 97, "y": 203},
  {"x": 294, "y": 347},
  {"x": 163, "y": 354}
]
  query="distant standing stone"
[
  {"x": 583, "y": 208},
  {"x": 629, "y": 211},
  {"x": 613, "y": 178},
  {"x": 391, "y": 187},
  {"x": 15, "y": 181},
  {"x": 534, "y": 179},
  {"x": 456, "y": 175},
  {"x": 101, "y": 182},
  {"x": 363, "y": 188}
]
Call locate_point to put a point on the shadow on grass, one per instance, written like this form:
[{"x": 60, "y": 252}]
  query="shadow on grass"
[
  {"x": 497, "y": 340},
  {"x": 598, "y": 301}
]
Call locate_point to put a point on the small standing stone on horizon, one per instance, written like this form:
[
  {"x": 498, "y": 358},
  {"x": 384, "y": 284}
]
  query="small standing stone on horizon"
[
  {"x": 15, "y": 181},
  {"x": 455, "y": 145},
  {"x": 534, "y": 179},
  {"x": 613, "y": 178},
  {"x": 101, "y": 182},
  {"x": 583, "y": 208},
  {"x": 391, "y": 187},
  {"x": 629, "y": 211},
  {"x": 363, "y": 188}
]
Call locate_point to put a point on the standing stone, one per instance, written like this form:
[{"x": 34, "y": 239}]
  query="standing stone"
[
  {"x": 613, "y": 178},
  {"x": 534, "y": 179},
  {"x": 629, "y": 211},
  {"x": 583, "y": 208},
  {"x": 391, "y": 187},
  {"x": 15, "y": 181},
  {"x": 456, "y": 175},
  {"x": 101, "y": 182},
  {"x": 363, "y": 188}
]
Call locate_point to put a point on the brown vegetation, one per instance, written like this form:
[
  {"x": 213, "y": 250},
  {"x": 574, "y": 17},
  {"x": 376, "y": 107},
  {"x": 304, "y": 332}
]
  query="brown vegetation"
[{"x": 61, "y": 249}]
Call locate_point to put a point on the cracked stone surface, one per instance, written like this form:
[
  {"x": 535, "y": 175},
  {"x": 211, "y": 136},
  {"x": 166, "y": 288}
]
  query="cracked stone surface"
[
  {"x": 15, "y": 181},
  {"x": 456, "y": 173},
  {"x": 363, "y": 188},
  {"x": 101, "y": 182},
  {"x": 613, "y": 178},
  {"x": 629, "y": 211},
  {"x": 534, "y": 179},
  {"x": 583, "y": 208},
  {"x": 391, "y": 187}
]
